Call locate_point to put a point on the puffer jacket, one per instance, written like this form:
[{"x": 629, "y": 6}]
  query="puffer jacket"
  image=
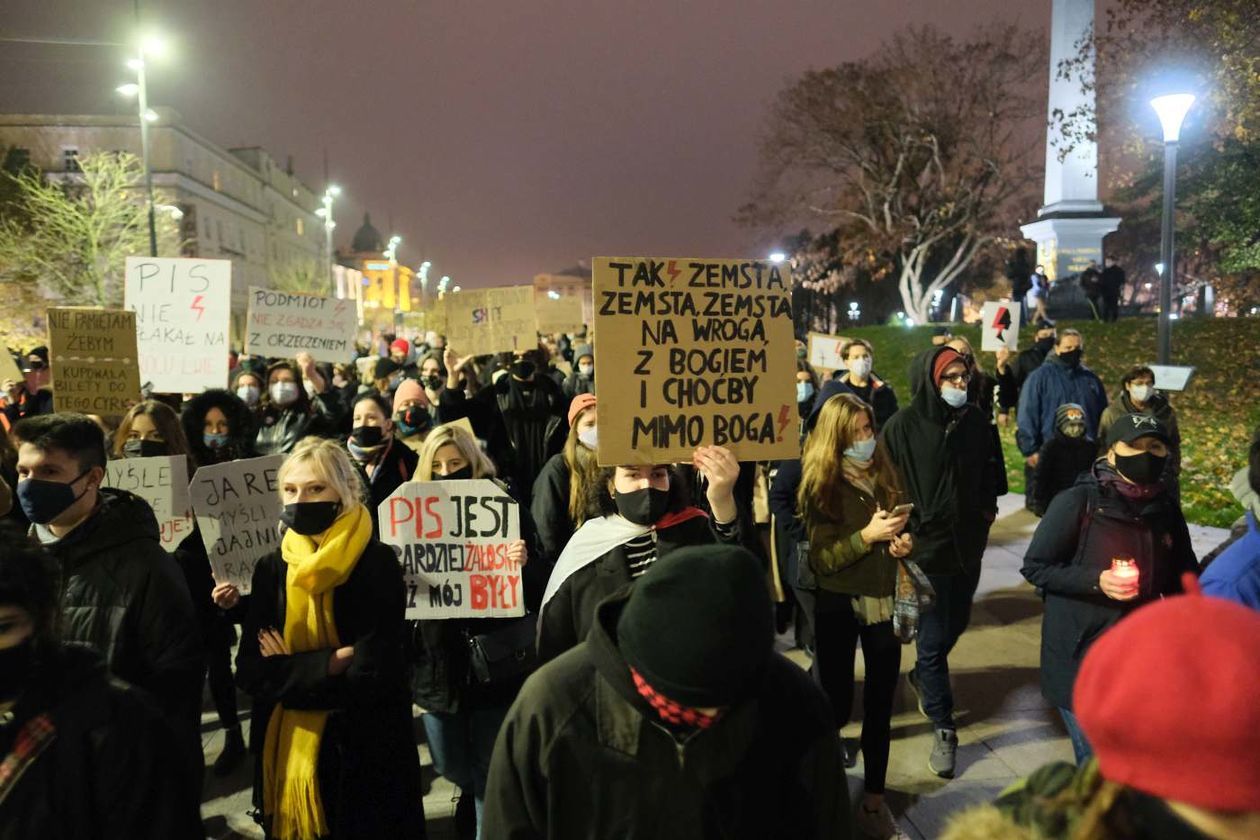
[{"x": 279, "y": 429}]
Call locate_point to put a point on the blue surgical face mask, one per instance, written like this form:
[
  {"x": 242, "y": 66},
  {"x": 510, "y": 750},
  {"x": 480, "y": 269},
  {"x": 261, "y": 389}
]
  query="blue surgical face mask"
[
  {"x": 804, "y": 390},
  {"x": 213, "y": 441},
  {"x": 861, "y": 450},
  {"x": 954, "y": 397}
]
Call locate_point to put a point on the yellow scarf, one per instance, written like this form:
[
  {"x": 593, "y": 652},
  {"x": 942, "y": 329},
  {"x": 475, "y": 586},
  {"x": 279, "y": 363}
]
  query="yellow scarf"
[{"x": 291, "y": 799}]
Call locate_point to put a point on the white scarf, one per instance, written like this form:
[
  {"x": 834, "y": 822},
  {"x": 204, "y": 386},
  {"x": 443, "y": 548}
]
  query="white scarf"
[{"x": 592, "y": 541}]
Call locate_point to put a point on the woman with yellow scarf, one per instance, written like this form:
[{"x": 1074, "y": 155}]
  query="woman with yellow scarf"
[{"x": 322, "y": 653}]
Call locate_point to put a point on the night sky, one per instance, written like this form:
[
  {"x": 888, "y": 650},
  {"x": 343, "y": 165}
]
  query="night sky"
[{"x": 499, "y": 139}]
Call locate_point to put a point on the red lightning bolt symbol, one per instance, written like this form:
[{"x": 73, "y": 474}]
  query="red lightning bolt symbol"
[
  {"x": 673, "y": 272},
  {"x": 197, "y": 307},
  {"x": 784, "y": 416}
]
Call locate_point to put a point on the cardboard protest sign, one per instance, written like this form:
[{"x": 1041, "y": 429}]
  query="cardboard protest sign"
[
  {"x": 9, "y": 368},
  {"x": 824, "y": 353},
  {"x": 481, "y": 321},
  {"x": 162, "y": 481},
  {"x": 285, "y": 324},
  {"x": 705, "y": 355},
  {"x": 432, "y": 317},
  {"x": 1172, "y": 377},
  {"x": 182, "y": 310},
  {"x": 999, "y": 325},
  {"x": 237, "y": 506},
  {"x": 452, "y": 538},
  {"x": 93, "y": 355},
  {"x": 559, "y": 315}
]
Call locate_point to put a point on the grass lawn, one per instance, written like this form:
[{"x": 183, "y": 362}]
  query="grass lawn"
[{"x": 1218, "y": 412}]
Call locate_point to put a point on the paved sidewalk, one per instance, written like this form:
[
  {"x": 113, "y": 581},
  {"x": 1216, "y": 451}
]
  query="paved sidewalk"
[{"x": 1005, "y": 729}]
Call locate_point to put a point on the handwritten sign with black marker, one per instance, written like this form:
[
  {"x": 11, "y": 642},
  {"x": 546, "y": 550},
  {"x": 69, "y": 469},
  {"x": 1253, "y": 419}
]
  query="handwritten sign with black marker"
[
  {"x": 284, "y": 324},
  {"x": 452, "y": 538},
  {"x": 93, "y": 352},
  {"x": 162, "y": 481},
  {"x": 237, "y": 505},
  {"x": 704, "y": 356},
  {"x": 182, "y": 311}
]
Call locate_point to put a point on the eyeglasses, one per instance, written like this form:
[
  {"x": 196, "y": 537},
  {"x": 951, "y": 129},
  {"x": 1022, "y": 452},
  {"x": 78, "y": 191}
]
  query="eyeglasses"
[{"x": 957, "y": 378}]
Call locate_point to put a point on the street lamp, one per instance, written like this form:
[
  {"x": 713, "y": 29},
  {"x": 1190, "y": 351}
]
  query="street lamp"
[
  {"x": 149, "y": 45},
  {"x": 326, "y": 213},
  {"x": 1171, "y": 110},
  {"x": 778, "y": 257}
]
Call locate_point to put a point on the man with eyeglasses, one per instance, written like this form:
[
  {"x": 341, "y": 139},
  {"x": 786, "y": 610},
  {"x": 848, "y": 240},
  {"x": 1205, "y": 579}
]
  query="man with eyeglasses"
[
  {"x": 948, "y": 460},
  {"x": 1062, "y": 379},
  {"x": 32, "y": 395}
]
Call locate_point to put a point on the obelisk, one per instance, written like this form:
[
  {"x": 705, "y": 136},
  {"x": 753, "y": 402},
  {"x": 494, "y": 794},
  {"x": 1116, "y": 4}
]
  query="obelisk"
[{"x": 1072, "y": 223}]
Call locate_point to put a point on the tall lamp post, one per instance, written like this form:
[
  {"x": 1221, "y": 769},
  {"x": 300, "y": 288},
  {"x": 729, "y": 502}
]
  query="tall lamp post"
[
  {"x": 326, "y": 213},
  {"x": 1172, "y": 110},
  {"x": 149, "y": 46}
]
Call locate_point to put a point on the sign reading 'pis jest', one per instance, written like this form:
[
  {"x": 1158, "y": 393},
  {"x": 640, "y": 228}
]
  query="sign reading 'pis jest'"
[
  {"x": 452, "y": 539},
  {"x": 285, "y": 324},
  {"x": 182, "y": 310},
  {"x": 705, "y": 356}
]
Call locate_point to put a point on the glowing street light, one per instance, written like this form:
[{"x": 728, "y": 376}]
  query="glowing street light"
[
  {"x": 778, "y": 257},
  {"x": 1172, "y": 110},
  {"x": 148, "y": 45}
]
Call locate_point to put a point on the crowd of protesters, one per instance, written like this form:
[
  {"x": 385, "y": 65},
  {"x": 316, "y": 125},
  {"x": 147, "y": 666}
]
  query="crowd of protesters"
[{"x": 649, "y": 701}]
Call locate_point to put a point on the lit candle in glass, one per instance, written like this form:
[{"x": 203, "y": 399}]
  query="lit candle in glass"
[{"x": 1125, "y": 569}]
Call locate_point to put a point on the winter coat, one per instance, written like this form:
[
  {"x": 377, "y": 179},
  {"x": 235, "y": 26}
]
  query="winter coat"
[
  {"x": 550, "y": 507},
  {"x": 878, "y": 394},
  {"x": 28, "y": 404},
  {"x": 241, "y": 429},
  {"x": 789, "y": 527},
  {"x": 1158, "y": 407},
  {"x": 1112, "y": 280},
  {"x": 581, "y": 755},
  {"x": 1084, "y": 528},
  {"x": 369, "y": 772},
  {"x": 1051, "y": 802},
  {"x": 950, "y": 466},
  {"x": 1060, "y": 462},
  {"x": 398, "y": 465},
  {"x": 1047, "y": 388},
  {"x": 124, "y": 597},
  {"x": 487, "y": 423},
  {"x": 113, "y": 770},
  {"x": 1016, "y": 374},
  {"x": 1235, "y": 573},
  {"x": 575, "y": 383},
  {"x": 534, "y": 422},
  {"x": 442, "y": 680},
  {"x": 279, "y": 429},
  {"x": 568, "y": 615},
  {"x": 841, "y": 561}
]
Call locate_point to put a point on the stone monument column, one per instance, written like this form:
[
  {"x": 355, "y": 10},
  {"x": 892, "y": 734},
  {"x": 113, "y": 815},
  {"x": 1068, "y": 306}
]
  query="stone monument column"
[{"x": 1072, "y": 223}]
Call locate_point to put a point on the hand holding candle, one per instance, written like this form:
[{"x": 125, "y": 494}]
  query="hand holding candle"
[{"x": 1120, "y": 582}]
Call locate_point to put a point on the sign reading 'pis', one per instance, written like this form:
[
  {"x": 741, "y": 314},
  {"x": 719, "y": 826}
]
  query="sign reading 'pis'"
[{"x": 182, "y": 311}]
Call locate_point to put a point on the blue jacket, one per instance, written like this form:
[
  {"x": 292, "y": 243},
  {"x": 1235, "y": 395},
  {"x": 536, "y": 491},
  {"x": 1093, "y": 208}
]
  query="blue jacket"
[
  {"x": 1049, "y": 387},
  {"x": 1235, "y": 574}
]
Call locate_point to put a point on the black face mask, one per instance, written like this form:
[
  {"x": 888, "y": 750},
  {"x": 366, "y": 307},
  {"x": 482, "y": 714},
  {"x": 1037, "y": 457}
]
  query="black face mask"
[
  {"x": 16, "y": 666},
  {"x": 368, "y": 436},
  {"x": 1143, "y": 468},
  {"x": 1072, "y": 358},
  {"x": 310, "y": 518},
  {"x": 433, "y": 383},
  {"x": 642, "y": 507},
  {"x": 1045, "y": 345},
  {"x": 522, "y": 369},
  {"x": 137, "y": 448},
  {"x": 461, "y": 473}
]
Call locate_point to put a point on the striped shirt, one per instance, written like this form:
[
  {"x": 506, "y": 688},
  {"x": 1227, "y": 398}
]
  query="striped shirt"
[{"x": 641, "y": 551}]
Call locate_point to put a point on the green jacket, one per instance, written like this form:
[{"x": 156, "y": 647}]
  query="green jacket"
[{"x": 842, "y": 562}]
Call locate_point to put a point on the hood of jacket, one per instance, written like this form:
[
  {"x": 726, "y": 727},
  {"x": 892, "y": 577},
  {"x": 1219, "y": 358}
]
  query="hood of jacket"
[
  {"x": 120, "y": 518},
  {"x": 240, "y": 422},
  {"x": 923, "y": 393}
]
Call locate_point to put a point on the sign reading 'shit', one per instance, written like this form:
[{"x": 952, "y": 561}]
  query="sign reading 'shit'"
[{"x": 702, "y": 354}]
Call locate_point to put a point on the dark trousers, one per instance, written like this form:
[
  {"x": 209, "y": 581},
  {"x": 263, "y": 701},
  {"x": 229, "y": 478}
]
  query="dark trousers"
[
  {"x": 219, "y": 671},
  {"x": 1111, "y": 306},
  {"x": 835, "y": 648},
  {"x": 939, "y": 630}
]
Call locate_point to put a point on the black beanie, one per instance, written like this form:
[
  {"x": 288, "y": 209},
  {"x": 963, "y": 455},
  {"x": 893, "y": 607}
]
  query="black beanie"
[{"x": 699, "y": 625}]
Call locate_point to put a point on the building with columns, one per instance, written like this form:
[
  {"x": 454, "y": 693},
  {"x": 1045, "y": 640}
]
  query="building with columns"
[{"x": 236, "y": 204}]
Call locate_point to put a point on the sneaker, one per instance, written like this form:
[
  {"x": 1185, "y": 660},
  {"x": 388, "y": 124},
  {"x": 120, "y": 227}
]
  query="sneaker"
[
  {"x": 944, "y": 753},
  {"x": 918, "y": 692},
  {"x": 878, "y": 824},
  {"x": 233, "y": 752}
]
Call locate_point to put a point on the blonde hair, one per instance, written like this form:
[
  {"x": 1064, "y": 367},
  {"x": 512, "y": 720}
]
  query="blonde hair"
[
  {"x": 332, "y": 463},
  {"x": 458, "y": 437},
  {"x": 822, "y": 461},
  {"x": 583, "y": 471}
]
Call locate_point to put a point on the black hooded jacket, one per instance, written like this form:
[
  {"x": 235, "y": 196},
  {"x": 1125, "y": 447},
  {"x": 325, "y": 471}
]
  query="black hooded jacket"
[
  {"x": 535, "y": 426},
  {"x": 581, "y": 755},
  {"x": 240, "y": 427},
  {"x": 950, "y": 464},
  {"x": 112, "y": 771}
]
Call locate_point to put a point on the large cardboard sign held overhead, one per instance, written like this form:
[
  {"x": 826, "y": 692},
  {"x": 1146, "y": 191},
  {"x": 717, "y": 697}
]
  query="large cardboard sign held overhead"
[
  {"x": 452, "y": 539},
  {"x": 162, "y": 481},
  {"x": 93, "y": 353},
  {"x": 700, "y": 352},
  {"x": 824, "y": 353},
  {"x": 999, "y": 326},
  {"x": 481, "y": 321},
  {"x": 283, "y": 324},
  {"x": 559, "y": 314},
  {"x": 237, "y": 506},
  {"x": 182, "y": 308}
]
